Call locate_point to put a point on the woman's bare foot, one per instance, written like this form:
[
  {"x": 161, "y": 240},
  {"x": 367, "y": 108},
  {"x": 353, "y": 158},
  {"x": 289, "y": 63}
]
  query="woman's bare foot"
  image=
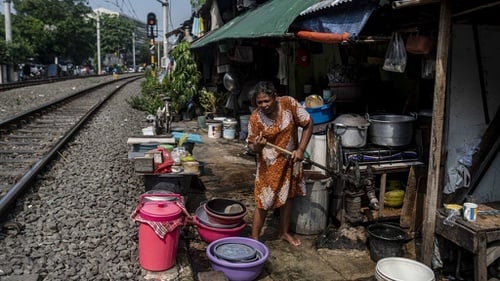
[{"x": 290, "y": 239}]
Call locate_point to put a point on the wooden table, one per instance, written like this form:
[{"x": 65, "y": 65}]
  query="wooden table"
[{"x": 477, "y": 237}]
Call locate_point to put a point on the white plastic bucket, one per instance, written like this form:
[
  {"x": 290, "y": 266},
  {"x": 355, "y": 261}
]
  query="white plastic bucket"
[
  {"x": 244, "y": 123},
  {"x": 402, "y": 269},
  {"x": 317, "y": 149},
  {"x": 229, "y": 130},
  {"x": 229, "y": 134},
  {"x": 214, "y": 129}
]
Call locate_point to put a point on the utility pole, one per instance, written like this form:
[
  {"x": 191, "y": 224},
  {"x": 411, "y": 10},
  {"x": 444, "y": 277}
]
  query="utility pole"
[
  {"x": 98, "y": 42},
  {"x": 158, "y": 51},
  {"x": 164, "y": 4},
  {"x": 133, "y": 49},
  {"x": 7, "y": 71},
  {"x": 8, "y": 22}
]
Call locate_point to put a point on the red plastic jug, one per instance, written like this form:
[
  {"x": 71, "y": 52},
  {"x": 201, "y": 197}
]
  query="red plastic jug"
[{"x": 159, "y": 218}]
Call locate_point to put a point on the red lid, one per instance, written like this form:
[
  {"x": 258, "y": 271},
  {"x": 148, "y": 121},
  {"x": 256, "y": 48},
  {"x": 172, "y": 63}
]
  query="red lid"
[{"x": 160, "y": 211}]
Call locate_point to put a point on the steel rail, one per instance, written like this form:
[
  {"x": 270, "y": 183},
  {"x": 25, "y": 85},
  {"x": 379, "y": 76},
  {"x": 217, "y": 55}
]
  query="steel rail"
[
  {"x": 33, "y": 82},
  {"x": 16, "y": 189},
  {"x": 23, "y": 115}
]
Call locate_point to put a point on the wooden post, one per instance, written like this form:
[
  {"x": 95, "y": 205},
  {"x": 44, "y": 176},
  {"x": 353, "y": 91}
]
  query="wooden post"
[
  {"x": 408, "y": 212},
  {"x": 434, "y": 187}
]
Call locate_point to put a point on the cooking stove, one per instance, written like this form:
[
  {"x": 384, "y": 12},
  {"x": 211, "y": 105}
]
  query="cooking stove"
[{"x": 373, "y": 154}]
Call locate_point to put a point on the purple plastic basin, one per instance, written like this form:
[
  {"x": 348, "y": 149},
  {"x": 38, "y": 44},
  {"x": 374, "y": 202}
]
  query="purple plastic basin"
[{"x": 234, "y": 271}]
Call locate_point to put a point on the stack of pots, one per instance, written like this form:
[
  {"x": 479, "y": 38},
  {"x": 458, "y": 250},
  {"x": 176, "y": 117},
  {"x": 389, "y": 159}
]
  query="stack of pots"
[{"x": 220, "y": 218}]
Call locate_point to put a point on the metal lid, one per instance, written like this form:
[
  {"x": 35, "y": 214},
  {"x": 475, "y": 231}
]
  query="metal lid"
[
  {"x": 235, "y": 252},
  {"x": 230, "y": 120},
  {"x": 158, "y": 195},
  {"x": 351, "y": 120}
]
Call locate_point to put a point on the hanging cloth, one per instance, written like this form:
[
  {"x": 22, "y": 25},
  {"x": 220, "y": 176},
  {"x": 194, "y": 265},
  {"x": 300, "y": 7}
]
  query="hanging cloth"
[
  {"x": 202, "y": 27},
  {"x": 282, "y": 67},
  {"x": 215, "y": 17},
  {"x": 196, "y": 26}
]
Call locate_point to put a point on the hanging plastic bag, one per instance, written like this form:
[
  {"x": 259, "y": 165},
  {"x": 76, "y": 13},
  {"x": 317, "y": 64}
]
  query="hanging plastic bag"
[{"x": 395, "y": 56}]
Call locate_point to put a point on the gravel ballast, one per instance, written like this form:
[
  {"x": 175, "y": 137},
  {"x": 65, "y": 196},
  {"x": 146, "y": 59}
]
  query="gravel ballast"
[{"x": 76, "y": 217}]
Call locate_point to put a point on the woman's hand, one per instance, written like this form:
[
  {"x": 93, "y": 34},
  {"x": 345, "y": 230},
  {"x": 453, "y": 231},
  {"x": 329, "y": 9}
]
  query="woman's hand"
[
  {"x": 259, "y": 144},
  {"x": 298, "y": 155}
]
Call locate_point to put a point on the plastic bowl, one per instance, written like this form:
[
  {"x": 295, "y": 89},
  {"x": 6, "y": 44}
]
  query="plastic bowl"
[
  {"x": 220, "y": 219},
  {"x": 210, "y": 234},
  {"x": 226, "y": 207},
  {"x": 203, "y": 218},
  {"x": 239, "y": 271},
  {"x": 396, "y": 268}
]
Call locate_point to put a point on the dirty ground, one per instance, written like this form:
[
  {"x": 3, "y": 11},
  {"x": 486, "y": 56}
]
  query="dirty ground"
[{"x": 229, "y": 173}]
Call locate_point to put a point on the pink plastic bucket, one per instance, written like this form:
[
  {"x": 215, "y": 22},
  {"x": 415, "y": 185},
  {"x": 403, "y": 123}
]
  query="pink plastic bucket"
[{"x": 157, "y": 253}]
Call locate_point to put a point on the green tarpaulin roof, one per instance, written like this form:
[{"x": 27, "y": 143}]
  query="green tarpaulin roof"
[{"x": 271, "y": 19}]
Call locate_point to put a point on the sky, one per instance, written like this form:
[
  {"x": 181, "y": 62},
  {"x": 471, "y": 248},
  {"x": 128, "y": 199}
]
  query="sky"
[{"x": 179, "y": 10}]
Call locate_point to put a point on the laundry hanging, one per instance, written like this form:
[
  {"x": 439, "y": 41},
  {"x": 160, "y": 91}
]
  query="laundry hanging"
[
  {"x": 201, "y": 28},
  {"x": 195, "y": 29},
  {"x": 283, "y": 63},
  {"x": 215, "y": 17}
]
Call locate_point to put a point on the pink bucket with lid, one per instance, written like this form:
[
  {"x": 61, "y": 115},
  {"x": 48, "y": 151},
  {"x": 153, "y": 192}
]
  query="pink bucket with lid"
[{"x": 160, "y": 222}]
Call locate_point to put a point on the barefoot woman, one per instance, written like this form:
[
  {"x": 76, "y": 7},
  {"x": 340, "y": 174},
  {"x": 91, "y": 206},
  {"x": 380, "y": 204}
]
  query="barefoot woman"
[{"x": 279, "y": 177}]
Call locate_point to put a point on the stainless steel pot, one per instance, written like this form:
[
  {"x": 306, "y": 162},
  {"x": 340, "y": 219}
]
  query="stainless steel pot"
[
  {"x": 352, "y": 129},
  {"x": 391, "y": 129}
]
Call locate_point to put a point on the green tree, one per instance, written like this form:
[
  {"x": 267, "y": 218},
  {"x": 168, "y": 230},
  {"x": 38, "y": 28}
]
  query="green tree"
[
  {"x": 116, "y": 33},
  {"x": 183, "y": 82},
  {"x": 14, "y": 53},
  {"x": 196, "y": 4},
  {"x": 55, "y": 28}
]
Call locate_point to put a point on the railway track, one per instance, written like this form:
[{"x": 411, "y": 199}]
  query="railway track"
[
  {"x": 30, "y": 140},
  {"x": 33, "y": 82}
]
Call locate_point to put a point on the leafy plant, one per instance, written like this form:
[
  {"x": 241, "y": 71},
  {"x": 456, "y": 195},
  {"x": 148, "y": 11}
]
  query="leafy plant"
[
  {"x": 151, "y": 97},
  {"x": 183, "y": 82},
  {"x": 210, "y": 101}
]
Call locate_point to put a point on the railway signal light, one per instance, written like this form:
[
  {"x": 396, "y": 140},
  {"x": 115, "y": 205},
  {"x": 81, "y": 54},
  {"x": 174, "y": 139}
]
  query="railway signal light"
[
  {"x": 152, "y": 19},
  {"x": 151, "y": 25}
]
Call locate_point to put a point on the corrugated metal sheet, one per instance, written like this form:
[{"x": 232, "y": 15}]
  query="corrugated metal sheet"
[
  {"x": 271, "y": 19},
  {"x": 323, "y": 5}
]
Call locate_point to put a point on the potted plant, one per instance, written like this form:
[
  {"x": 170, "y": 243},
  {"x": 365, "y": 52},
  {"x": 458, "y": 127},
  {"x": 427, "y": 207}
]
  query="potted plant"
[
  {"x": 208, "y": 101},
  {"x": 211, "y": 102},
  {"x": 183, "y": 82}
]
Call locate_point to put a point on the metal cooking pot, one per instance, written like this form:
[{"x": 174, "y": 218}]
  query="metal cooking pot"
[
  {"x": 391, "y": 129},
  {"x": 352, "y": 129}
]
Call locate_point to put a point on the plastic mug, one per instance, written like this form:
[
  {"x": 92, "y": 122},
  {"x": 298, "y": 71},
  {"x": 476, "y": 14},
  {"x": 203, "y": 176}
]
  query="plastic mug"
[
  {"x": 470, "y": 211},
  {"x": 327, "y": 94}
]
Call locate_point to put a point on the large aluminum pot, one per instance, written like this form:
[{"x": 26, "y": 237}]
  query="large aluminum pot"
[
  {"x": 352, "y": 129},
  {"x": 391, "y": 129}
]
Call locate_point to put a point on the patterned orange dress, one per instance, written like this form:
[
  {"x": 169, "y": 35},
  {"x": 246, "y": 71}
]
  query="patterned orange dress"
[{"x": 275, "y": 179}]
